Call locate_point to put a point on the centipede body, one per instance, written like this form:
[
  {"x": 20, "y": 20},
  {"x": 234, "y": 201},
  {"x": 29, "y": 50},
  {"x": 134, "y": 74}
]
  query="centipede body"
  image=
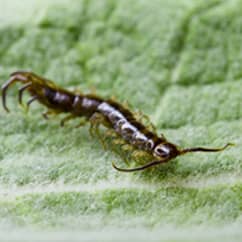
[{"x": 99, "y": 111}]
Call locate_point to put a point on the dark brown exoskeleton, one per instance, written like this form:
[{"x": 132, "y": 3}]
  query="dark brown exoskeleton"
[{"x": 109, "y": 113}]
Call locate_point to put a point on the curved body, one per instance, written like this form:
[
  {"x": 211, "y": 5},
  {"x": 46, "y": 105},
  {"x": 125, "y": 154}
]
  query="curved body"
[
  {"x": 98, "y": 111},
  {"x": 116, "y": 116}
]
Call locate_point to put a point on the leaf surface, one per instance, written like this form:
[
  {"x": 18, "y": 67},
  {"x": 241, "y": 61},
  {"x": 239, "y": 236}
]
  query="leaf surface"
[{"x": 177, "y": 61}]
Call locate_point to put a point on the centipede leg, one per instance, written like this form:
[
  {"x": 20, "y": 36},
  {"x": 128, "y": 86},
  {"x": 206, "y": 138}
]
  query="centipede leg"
[
  {"x": 46, "y": 113},
  {"x": 97, "y": 132},
  {"x": 49, "y": 112},
  {"x": 21, "y": 90},
  {"x": 96, "y": 120},
  {"x": 126, "y": 104},
  {"x": 144, "y": 118},
  {"x": 30, "y": 101},
  {"x": 111, "y": 133},
  {"x": 117, "y": 142},
  {"x": 114, "y": 138},
  {"x": 139, "y": 155},
  {"x": 127, "y": 147},
  {"x": 66, "y": 119},
  {"x": 82, "y": 122}
]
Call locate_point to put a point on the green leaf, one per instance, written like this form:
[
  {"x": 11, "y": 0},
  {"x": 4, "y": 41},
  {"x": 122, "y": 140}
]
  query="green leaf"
[{"x": 179, "y": 62}]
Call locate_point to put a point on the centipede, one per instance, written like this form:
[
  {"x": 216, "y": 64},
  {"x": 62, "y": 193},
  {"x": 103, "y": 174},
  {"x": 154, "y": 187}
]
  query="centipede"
[{"x": 99, "y": 111}]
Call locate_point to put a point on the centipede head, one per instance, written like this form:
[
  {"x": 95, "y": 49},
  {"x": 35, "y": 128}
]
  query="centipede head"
[{"x": 165, "y": 151}]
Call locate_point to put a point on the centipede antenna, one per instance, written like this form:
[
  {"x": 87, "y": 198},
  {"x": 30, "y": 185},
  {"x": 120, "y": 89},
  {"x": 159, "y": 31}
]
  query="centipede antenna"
[
  {"x": 21, "y": 90},
  {"x": 153, "y": 163},
  {"x": 202, "y": 149}
]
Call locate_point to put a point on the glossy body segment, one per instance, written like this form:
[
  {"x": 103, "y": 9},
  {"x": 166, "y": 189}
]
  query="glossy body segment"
[
  {"x": 124, "y": 123},
  {"x": 98, "y": 111}
]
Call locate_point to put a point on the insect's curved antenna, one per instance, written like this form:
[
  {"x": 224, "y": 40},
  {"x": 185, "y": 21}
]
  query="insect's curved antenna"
[
  {"x": 152, "y": 163},
  {"x": 202, "y": 149}
]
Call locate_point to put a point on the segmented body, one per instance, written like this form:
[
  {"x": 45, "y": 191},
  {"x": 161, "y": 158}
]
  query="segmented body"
[
  {"x": 118, "y": 118},
  {"x": 98, "y": 111},
  {"x": 64, "y": 101}
]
